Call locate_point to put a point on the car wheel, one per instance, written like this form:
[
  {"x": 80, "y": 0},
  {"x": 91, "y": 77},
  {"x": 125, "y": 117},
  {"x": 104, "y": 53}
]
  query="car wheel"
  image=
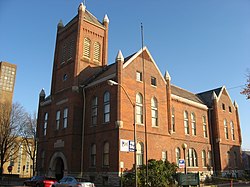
[
  {"x": 37, "y": 185},
  {"x": 24, "y": 184}
]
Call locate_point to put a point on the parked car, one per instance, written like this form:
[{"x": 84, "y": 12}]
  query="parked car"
[
  {"x": 69, "y": 181},
  {"x": 40, "y": 181}
]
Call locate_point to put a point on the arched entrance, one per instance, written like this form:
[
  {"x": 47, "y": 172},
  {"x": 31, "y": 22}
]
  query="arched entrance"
[
  {"x": 59, "y": 169},
  {"x": 58, "y": 165}
]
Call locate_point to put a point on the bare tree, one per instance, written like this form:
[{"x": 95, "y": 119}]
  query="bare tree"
[
  {"x": 29, "y": 138},
  {"x": 12, "y": 118},
  {"x": 246, "y": 90}
]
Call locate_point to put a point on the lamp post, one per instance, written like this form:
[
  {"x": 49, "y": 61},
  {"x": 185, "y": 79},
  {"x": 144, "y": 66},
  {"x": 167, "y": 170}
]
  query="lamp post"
[
  {"x": 184, "y": 147},
  {"x": 112, "y": 83}
]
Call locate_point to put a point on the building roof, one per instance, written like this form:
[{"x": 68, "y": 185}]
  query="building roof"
[
  {"x": 89, "y": 17},
  {"x": 207, "y": 96},
  {"x": 185, "y": 94}
]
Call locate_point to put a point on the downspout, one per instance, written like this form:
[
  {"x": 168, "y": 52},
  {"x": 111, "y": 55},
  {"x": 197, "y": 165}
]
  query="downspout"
[
  {"x": 211, "y": 136},
  {"x": 83, "y": 125}
]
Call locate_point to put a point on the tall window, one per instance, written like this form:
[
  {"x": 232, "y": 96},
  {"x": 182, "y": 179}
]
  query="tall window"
[
  {"x": 57, "y": 119},
  {"x": 94, "y": 107},
  {"x": 64, "y": 47},
  {"x": 70, "y": 52},
  {"x": 232, "y": 130},
  {"x": 177, "y": 155},
  {"x": 106, "y": 154},
  {"x": 106, "y": 103},
  {"x": 45, "y": 123},
  {"x": 86, "y": 47},
  {"x": 154, "y": 112},
  {"x": 204, "y": 122},
  {"x": 139, "y": 109},
  {"x": 225, "y": 128},
  {"x": 93, "y": 155},
  {"x": 97, "y": 49},
  {"x": 203, "y": 157},
  {"x": 193, "y": 121},
  {"x": 186, "y": 127},
  {"x": 209, "y": 156},
  {"x": 139, "y": 153},
  {"x": 192, "y": 158},
  {"x": 65, "y": 118},
  {"x": 173, "y": 120}
]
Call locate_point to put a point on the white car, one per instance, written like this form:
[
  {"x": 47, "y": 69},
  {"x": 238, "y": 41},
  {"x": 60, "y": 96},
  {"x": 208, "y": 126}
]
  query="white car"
[{"x": 69, "y": 181}]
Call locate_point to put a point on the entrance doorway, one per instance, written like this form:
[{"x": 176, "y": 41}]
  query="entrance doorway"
[{"x": 59, "y": 169}]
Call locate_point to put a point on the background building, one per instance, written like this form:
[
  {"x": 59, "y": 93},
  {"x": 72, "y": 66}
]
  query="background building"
[
  {"x": 7, "y": 81},
  {"x": 85, "y": 125}
]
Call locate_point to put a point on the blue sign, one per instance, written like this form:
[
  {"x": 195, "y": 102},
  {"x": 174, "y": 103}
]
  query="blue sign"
[
  {"x": 181, "y": 163},
  {"x": 131, "y": 146}
]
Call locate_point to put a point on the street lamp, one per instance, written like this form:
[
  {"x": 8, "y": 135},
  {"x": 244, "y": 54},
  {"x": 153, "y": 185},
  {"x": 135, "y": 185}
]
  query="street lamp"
[
  {"x": 112, "y": 83},
  {"x": 184, "y": 147}
]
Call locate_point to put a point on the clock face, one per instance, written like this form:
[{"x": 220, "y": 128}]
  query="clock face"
[{"x": 7, "y": 78}]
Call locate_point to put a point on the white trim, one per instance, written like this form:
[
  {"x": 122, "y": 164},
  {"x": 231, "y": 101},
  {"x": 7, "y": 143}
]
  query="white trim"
[
  {"x": 137, "y": 54},
  {"x": 220, "y": 94},
  {"x": 101, "y": 80},
  {"x": 187, "y": 101}
]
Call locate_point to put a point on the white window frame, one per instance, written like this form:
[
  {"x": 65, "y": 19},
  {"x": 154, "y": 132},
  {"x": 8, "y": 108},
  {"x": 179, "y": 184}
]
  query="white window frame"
[
  {"x": 65, "y": 117},
  {"x": 106, "y": 108}
]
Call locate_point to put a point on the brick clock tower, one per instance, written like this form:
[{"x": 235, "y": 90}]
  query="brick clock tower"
[{"x": 81, "y": 51}]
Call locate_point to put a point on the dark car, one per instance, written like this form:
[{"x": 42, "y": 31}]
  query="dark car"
[
  {"x": 69, "y": 181},
  {"x": 40, "y": 181}
]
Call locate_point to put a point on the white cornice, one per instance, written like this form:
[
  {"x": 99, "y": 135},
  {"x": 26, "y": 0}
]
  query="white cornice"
[{"x": 187, "y": 101}]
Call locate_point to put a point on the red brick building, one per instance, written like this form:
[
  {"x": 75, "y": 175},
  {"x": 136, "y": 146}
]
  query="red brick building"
[{"x": 85, "y": 125}]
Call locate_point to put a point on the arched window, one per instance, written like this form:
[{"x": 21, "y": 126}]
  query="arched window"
[
  {"x": 192, "y": 158},
  {"x": 63, "y": 57},
  {"x": 154, "y": 112},
  {"x": 177, "y": 155},
  {"x": 86, "y": 47},
  {"x": 139, "y": 108},
  {"x": 232, "y": 130},
  {"x": 97, "y": 49},
  {"x": 173, "y": 120},
  {"x": 225, "y": 128},
  {"x": 193, "y": 121},
  {"x": 139, "y": 153},
  {"x": 93, "y": 155},
  {"x": 204, "y": 122},
  {"x": 186, "y": 127},
  {"x": 106, "y": 107},
  {"x": 203, "y": 157},
  {"x": 71, "y": 46},
  {"x": 106, "y": 154},
  {"x": 209, "y": 156},
  {"x": 94, "y": 108}
]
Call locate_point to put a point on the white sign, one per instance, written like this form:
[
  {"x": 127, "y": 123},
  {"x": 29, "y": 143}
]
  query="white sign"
[
  {"x": 181, "y": 163},
  {"x": 126, "y": 145}
]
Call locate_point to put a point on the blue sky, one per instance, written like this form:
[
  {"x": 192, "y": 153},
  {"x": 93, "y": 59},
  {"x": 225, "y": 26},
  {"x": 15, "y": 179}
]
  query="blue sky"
[{"x": 202, "y": 44}]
